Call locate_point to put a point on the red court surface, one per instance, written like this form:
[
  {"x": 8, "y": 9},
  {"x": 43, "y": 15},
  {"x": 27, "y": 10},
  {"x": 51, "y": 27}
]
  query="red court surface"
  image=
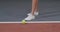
[{"x": 36, "y": 27}]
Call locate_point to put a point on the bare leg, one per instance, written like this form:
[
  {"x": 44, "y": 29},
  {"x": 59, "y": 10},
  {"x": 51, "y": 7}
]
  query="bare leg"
[
  {"x": 34, "y": 9},
  {"x": 34, "y": 6}
]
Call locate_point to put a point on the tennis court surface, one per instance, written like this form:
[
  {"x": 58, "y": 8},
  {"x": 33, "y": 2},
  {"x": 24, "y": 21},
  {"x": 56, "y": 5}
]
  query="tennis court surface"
[
  {"x": 13, "y": 11},
  {"x": 29, "y": 27}
]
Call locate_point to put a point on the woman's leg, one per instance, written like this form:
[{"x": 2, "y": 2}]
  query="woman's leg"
[
  {"x": 34, "y": 6},
  {"x": 34, "y": 9}
]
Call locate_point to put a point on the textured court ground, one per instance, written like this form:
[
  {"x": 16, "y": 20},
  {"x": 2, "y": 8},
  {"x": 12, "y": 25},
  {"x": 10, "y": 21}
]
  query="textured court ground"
[
  {"x": 16, "y": 10},
  {"x": 36, "y": 27}
]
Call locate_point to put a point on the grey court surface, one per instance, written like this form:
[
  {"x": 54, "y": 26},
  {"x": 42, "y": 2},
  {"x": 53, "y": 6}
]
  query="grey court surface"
[{"x": 16, "y": 10}]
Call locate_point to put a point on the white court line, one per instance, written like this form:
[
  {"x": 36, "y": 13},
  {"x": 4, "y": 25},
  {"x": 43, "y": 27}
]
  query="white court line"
[{"x": 33, "y": 22}]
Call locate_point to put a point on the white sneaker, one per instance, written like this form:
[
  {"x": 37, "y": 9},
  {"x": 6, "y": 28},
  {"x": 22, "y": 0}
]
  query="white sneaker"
[
  {"x": 30, "y": 17},
  {"x": 35, "y": 13}
]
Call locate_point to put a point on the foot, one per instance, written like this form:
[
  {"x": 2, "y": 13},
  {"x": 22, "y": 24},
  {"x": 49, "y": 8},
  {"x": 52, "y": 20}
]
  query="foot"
[
  {"x": 30, "y": 17},
  {"x": 35, "y": 13}
]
